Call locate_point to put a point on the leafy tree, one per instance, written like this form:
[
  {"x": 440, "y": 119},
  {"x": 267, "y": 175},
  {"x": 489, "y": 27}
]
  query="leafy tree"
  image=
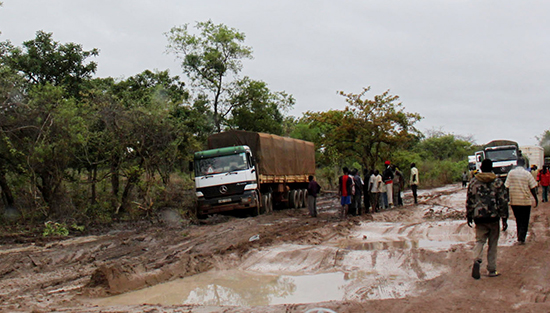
[
  {"x": 151, "y": 89},
  {"x": 256, "y": 108},
  {"x": 329, "y": 125},
  {"x": 208, "y": 58},
  {"x": 135, "y": 128},
  {"x": 441, "y": 146},
  {"x": 301, "y": 129},
  {"x": 45, "y": 61},
  {"x": 12, "y": 89},
  {"x": 44, "y": 130},
  {"x": 198, "y": 119},
  {"x": 369, "y": 130}
]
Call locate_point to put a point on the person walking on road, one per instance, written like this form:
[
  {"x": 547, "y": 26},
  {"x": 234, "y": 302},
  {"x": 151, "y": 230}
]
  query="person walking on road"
[
  {"x": 544, "y": 181},
  {"x": 464, "y": 179},
  {"x": 312, "y": 190},
  {"x": 521, "y": 186},
  {"x": 486, "y": 205},
  {"x": 414, "y": 181},
  {"x": 345, "y": 191}
]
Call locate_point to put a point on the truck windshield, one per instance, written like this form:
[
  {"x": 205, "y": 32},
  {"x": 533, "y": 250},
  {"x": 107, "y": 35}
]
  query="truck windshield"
[
  {"x": 501, "y": 155},
  {"x": 221, "y": 164}
]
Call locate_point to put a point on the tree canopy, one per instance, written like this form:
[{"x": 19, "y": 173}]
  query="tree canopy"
[
  {"x": 256, "y": 108},
  {"x": 208, "y": 58},
  {"x": 43, "y": 60},
  {"x": 367, "y": 129}
]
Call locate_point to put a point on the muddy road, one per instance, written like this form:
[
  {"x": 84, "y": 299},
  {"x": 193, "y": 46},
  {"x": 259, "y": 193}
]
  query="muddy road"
[{"x": 415, "y": 258}]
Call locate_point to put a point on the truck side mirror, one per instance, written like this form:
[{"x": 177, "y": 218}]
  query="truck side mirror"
[{"x": 191, "y": 166}]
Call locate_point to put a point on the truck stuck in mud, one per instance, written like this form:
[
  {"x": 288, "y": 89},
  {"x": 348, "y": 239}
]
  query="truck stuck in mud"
[{"x": 252, "y": 171}]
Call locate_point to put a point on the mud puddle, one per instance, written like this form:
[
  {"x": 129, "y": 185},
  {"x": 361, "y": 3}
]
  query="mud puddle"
[
  {"x": 377, "y": 260},
  {"x": 435, "y": 236},
  {"x": 239, "y": 288}
]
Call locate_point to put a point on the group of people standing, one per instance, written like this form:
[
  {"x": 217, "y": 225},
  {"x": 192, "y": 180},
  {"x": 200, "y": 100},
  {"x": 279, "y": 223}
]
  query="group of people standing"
[{"x": 376, "y": 191}]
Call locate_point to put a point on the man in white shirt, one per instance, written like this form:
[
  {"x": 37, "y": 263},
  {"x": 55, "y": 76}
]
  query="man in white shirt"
[
  {"x": 375, "y": 182},
  {"x": 521, "y": 186}
]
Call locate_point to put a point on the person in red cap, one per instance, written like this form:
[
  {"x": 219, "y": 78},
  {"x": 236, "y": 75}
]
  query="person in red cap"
[{"x": 387, "y": 178}]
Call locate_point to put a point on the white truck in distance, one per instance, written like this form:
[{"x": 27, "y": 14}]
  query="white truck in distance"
[
  {"x": 503, "y": 153},
  {"x": 534, "y": 154}
]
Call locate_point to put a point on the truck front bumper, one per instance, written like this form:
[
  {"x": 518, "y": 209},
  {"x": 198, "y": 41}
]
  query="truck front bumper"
[{"x": 246, "y": 200}]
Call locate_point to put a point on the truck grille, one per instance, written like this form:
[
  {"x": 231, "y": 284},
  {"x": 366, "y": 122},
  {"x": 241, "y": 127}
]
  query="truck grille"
[{"x": 222, "y": 190}]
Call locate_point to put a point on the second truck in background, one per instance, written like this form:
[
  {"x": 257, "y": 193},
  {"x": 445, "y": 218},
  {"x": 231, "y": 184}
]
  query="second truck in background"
[{"x": 503, "y": 153}]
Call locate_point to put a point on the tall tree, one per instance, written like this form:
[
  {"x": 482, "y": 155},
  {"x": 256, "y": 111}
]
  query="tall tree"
[
  {"x": 208, "y": 58},
  {"x": 43, "y": 60},
  {"x": 366, "y": 129}
]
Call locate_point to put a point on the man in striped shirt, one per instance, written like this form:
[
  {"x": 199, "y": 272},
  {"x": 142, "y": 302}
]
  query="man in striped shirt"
[{"x": 521, "y": 186}]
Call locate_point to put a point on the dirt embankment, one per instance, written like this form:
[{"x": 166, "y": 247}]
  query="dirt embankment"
[{"x": 64, "y": 275}]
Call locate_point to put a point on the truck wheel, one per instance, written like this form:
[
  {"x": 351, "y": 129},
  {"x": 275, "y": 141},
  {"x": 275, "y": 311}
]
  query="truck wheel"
[
  {"x": 304, "y": 199},
  {"x": 270, "y": 206},
  {"x": 255, "y": 211},
  {"x": 300, "y": 198},
  {"x": 292, "y": 199},
  {"x": 267, "y": 203}
]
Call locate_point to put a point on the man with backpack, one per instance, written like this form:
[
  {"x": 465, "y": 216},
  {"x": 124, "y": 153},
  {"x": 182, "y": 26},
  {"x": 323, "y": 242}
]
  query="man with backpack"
[{"x": 486, "y": 205}]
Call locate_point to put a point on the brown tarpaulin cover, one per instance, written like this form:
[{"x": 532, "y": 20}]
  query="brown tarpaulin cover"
[{"x": 275, "y": 155}]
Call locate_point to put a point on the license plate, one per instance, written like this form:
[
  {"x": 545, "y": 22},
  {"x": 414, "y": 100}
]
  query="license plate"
[{"x": 224, "y": 200}]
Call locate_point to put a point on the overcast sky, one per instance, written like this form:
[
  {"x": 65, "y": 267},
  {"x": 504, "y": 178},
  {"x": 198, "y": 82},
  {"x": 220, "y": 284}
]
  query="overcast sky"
[{"x": 470, "y": 67}]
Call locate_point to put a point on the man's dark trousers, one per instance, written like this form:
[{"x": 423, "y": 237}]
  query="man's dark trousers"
[{"x": 522, "y": 214}]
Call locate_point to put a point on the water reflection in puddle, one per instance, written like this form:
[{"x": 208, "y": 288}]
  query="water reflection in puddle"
[
  {"x": 435, "y": 236},
  {"x": 239, "y": 288},
  {"x": 399, "y": 244}
]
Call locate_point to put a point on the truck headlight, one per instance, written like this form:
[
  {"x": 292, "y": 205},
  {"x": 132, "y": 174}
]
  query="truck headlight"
[
  {"x": 199, "y": 194},
  {"x": 251, "y": 187}
]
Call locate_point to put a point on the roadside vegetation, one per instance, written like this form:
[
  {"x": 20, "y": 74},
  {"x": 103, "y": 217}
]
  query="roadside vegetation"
[{"x": 78, "y": 151}]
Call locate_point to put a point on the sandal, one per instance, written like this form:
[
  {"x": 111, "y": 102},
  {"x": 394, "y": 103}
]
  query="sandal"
[{"x": 494, "y": 274}]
